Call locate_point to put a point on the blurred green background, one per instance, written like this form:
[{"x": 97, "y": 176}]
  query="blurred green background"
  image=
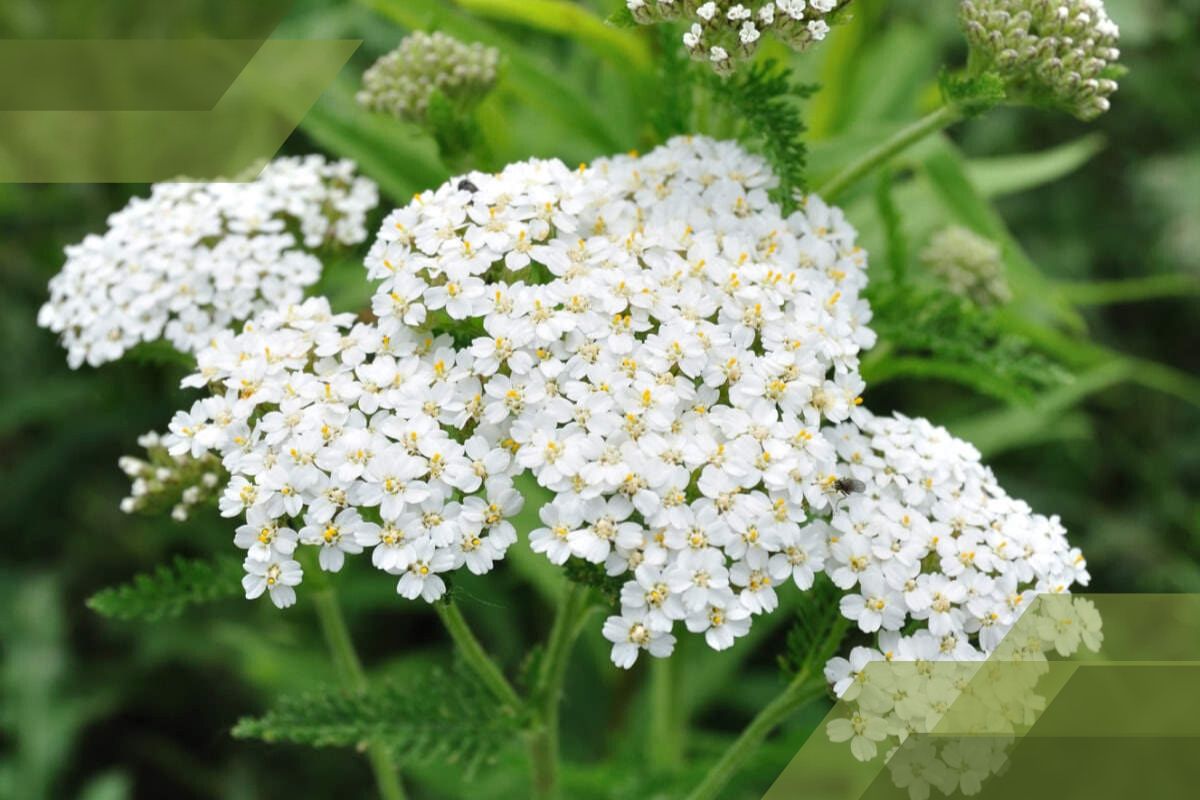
[{"x": 97, "y": 709}]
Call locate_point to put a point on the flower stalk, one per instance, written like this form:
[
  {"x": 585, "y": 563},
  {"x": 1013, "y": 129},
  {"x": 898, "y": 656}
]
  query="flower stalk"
[
  {"x": 937, "y": 120},
  {"x": 573, "y": 610},
  {"x": 802, "y": 689},
  {"x": 350, "y": 671},
  {"x": 475, "y": 657}
]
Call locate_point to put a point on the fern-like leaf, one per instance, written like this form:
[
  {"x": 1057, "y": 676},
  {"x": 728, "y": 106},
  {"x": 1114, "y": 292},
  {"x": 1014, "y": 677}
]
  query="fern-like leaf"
[
  {"x": 170, "y": 589},
  {"x": 435, "y": 715},
  {"x": 929, "y": 332},
  {"x": 818, "y": 630},
  {"x": 764, "y": 97}
]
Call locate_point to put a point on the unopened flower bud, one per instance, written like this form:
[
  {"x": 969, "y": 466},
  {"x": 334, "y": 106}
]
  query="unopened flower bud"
[
  {"x": 402, "y": 82},
  {"x": 969, "y": 265},
  {"x": 1060, "y": 53}
]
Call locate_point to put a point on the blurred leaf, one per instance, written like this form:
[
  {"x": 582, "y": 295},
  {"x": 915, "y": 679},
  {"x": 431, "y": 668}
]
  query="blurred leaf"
[
  {"x": 1002, "y": 175},
  {"x": 46, "y": 400},
  {"x": 171, "y": 589},
  {"x": 440, "y": 715},
  {"x": 109, "y": 786},
  {"x": 42, "y": 710},
  {"x": 160, "y": 353},
  {"x": 893, "y": 227},
  {"x": 1032, "y": 292},
  {"x": 1131, "y": 290},
  {"x": 622, "y": 47},
  {"x": 1011, "y": 428}
]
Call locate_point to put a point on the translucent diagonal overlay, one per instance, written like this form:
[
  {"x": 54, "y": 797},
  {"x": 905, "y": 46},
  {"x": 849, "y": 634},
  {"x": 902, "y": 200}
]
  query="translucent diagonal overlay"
[
  {"x": 248, "y": 123},
  {"x": 1081, "y": 696}
]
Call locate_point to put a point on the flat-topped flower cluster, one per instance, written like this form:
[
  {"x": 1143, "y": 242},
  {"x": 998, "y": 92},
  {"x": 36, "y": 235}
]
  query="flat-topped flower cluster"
[
  {"x": 933, "y": 539},
  {"x": 193, "y": 259},
  {"x": 660, "y": 347},
  {"x": 342, "y": 436},
  {"x": 665, "y": 352}
]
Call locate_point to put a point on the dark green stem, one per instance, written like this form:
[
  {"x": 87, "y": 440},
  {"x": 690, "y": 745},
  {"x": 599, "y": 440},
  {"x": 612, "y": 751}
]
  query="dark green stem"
[
  {"x": 802, "y": 689},
  {"x": 475, "y": 657},
  {"x": 665, "y": 743},
  {"x": 573, "y": 610}
]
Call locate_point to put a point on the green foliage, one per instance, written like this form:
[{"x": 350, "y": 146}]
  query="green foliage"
[
  {"x": 818, "y": 631},
  {"x": 433, "y": 715},
  {"x": 160, "y": 353},
  {"x": 893, "y": 227},
  {"x": 764, "y": 97},
  {"x": 171, "y": 589},
  {"x": 928, "y": 332},
  {"x": 672, "y": 112},
  {"x": 621, "y": 18},
  {"x": 580, "y": 571},
  {"x": 972, "y": 94}
]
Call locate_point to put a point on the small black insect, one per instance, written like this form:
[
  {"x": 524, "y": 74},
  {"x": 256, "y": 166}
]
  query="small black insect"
[
  {"x": 466, "y": 186},
  {"x": 848, "y": 486}
]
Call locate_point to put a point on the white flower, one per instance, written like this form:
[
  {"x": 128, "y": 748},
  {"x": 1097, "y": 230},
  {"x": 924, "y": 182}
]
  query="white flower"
[
  {"x": 337, "y": 537},
  {"x": 630, "y": 634},
  {"x": 863, "y": 730},
  {"x": 276, "y": 576}
]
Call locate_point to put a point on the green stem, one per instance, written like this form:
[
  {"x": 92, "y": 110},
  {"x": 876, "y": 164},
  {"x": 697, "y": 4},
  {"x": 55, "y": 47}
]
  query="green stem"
[
  {"x": 799, "y": 691},
  {"x": 573, "y": 610},
  {"x": 665, "y": 743},
  {"x": 349, "y": 669},
  {"x": 475, "y": 657},
  {"x": 936, "y": 120}
]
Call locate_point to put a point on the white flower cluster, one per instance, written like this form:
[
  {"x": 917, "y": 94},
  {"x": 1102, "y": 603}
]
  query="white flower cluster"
[
  {"x": 194, "y": 258},
  {"x": 341, "y": 436},
  {"x": 947, "y": 721},
  {"x": 1058, "y": 52},
  {"x": 969, "y": 265},
  {"x": 933, "y": 539},
  {"x": 660, "y": 347},
  {"x": 664, "y": 351},
  {"x": 402, "y": 82},
  {"x": 162, "y": 480},
  {"x": 723, "y": 32}
]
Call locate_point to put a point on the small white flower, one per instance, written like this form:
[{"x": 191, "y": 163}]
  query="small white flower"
[{"x": 276, "y": 576}]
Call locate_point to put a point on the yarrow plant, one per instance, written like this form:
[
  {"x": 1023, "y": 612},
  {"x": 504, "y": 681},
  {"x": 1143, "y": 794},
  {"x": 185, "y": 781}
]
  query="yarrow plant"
[
  {"x": 724, "y": 33},
  {"x": 651, "y": 351},
  {"x": 192, "y": 259}
]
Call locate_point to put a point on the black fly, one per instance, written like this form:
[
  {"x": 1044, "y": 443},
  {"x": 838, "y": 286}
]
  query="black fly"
[
  {"x": 466, "y": 186},
  {"x": 848, "y": 486},
  {"x": 844, "y": 487}
]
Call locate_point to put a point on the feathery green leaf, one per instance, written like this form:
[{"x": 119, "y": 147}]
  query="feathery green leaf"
[
  {"x": 930, "y": 332},
  {"x": 818, "y": 630},
  {"x": 764, "y": 98},
  {"x": 171, "y": 588},
  {"x": 434, "y": 715}
]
